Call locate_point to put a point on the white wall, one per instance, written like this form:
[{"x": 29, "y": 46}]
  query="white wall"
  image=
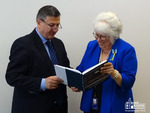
[{"x": 17, "y": 18}]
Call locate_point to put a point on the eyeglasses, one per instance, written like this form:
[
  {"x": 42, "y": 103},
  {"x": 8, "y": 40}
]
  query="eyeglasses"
[
  {"x": 99, "y": 36},
  {"x": 52, "y": 25}
]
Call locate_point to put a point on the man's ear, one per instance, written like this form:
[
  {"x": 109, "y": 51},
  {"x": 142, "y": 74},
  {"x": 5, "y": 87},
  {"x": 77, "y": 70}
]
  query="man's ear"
[{"x": 38, "y": 21}]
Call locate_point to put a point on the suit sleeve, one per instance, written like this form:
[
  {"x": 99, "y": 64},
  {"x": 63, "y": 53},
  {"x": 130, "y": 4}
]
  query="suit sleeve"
[{"x": 17, "y": 73}]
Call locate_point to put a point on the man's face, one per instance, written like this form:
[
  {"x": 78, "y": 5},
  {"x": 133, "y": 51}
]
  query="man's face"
[{"x": 48, "y": 27}]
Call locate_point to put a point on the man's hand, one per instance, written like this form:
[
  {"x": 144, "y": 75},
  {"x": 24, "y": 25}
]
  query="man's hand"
[
  {"x": 75, "y": 89},
  {"x": 52, "y": 82}
]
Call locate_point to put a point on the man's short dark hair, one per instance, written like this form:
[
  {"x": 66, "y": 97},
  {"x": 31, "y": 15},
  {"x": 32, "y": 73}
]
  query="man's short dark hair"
[{"x": 47, "y": 10}]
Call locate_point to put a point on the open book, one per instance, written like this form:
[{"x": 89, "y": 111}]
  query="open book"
[{"x": 83, "y": 81}]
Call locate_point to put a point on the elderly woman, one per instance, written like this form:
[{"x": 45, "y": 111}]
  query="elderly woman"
[{"x": 111, "y": 95}]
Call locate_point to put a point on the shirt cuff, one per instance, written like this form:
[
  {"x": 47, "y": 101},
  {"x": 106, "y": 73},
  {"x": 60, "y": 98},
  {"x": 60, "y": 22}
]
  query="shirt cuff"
[{"x": 43, "y": 84}]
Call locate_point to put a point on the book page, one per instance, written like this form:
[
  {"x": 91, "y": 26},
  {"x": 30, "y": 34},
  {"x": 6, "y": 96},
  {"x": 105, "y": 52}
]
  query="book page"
[{"x": 61, "y": 73}]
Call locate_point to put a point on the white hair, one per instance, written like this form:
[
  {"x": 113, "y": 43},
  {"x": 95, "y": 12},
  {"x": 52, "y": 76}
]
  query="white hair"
[{"x": 107, "y": 23}]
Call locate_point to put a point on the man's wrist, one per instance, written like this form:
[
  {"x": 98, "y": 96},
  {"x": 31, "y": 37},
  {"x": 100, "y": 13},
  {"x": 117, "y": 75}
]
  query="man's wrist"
[{"x": 43, "y": 84}]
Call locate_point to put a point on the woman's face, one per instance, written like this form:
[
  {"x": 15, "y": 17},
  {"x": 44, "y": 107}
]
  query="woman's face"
[{"x": 103, "y": 41}]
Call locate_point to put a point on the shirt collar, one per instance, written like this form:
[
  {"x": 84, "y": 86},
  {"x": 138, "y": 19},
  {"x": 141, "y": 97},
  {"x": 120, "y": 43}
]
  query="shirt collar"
[{"x": 42, "y": 38}]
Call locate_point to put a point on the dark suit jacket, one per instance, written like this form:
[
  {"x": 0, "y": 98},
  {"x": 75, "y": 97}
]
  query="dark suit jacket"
[{"x": 29, "y": 63}]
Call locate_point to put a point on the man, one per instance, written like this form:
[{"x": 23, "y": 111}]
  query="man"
[{"x": 31, "y": 67}]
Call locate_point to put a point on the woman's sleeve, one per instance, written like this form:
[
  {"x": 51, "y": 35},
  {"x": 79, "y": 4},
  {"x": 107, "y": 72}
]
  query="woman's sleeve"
[{"x": 128, "y": 68}]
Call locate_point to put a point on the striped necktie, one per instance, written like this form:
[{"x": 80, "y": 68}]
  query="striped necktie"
[{"x": 52, "y": 52}]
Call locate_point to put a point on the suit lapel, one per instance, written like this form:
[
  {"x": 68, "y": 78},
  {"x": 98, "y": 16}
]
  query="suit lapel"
[{"x": 40, "y": 47}]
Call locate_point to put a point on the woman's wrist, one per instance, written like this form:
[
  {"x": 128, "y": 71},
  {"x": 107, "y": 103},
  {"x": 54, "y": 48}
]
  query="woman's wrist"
[{"x": 115, "y": 75}]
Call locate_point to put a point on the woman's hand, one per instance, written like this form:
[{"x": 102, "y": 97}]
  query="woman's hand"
[{"x": 108, "y": 68}]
